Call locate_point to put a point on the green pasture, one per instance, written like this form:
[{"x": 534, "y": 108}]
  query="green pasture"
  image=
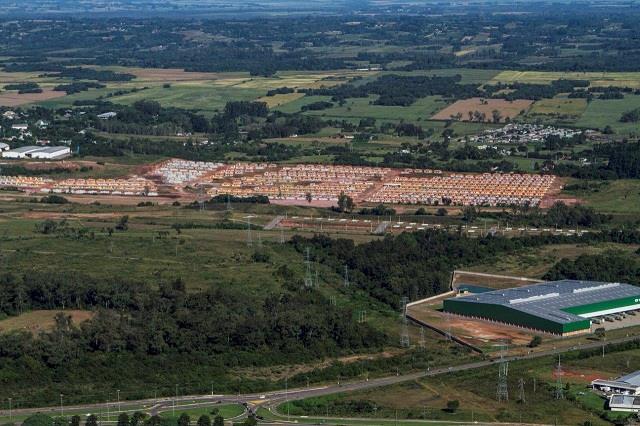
[
  {"x": 601, "y": 113},
  {"x": 616, "y": 196}
]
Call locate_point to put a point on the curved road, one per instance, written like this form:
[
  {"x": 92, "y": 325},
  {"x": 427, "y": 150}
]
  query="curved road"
[{"x": 275, "y": 398}]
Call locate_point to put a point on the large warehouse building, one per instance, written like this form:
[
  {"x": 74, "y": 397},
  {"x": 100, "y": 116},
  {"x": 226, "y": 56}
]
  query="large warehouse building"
[{"x": 559, "y": 307}]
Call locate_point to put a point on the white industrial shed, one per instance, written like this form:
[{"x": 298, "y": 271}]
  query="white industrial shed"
[
  {"x": 52, "y": 153},
  {"x": 48, "y": 153},
  {"x": 22, "y": 152}
]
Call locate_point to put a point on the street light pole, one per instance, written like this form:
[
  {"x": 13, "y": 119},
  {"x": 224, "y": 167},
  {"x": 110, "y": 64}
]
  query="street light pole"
[
  {"x": 118, "y": 396},
  {"x": 10, "y": 414},
  {"x": 61, "y": 406}
]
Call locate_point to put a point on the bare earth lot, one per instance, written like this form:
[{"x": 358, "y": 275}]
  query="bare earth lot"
[
  {"x": 508, "y": 109},
  {"x": 12, "y": 98}
]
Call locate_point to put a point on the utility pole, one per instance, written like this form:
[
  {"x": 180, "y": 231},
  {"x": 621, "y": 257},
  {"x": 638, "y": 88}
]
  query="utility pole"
[
  {"x": 61, "y": 406},
  {"x": 10, "y": 413},
  {"x": 118, "y": 398}
]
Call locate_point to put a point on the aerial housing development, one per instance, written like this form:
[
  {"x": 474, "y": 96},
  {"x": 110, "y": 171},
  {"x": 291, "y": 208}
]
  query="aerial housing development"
[{"x": 329, "y": 212}]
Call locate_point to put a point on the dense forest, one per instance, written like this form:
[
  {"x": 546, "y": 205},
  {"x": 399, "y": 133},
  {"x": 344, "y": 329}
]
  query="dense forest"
[{"x": 138, "y": 332}]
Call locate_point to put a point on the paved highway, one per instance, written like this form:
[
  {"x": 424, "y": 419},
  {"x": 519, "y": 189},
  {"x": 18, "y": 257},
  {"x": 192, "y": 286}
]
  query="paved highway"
[{"x": 275, "y": 398}]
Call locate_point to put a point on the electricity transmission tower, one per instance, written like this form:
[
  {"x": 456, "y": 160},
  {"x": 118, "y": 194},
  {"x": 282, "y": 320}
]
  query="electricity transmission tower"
[
  {"x": 502, "y": 393},
  {"x": 423, "y": 342},
  {"x": 281, "y": 235},
  {"x": 521, "y": 395},
  {"x": 362, "y": 317},
  {"x": 346, "y": 276},
  {"x": 559, "y": 391},
  {"x": 404, "y": 332},
  {"x": 249, "y": 238},
  {"x": 308, "y": 278}
]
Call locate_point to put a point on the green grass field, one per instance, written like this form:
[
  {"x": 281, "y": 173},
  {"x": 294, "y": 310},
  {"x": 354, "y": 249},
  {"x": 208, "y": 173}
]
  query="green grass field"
[
  {"x": 617, "y": 196},
  {"x": 600, "y": 113}
]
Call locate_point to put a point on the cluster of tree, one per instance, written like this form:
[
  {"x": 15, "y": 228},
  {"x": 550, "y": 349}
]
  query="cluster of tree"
[
  {"x": 419, "y": 264},
  {"x": 78, "y": 86},
  {"x": 513, "y": 91},
  {"x": 280, "y": 91},
  {"x": 379, "y": 210},
  {"x": 317, "y": 106},
  {"x": 235, "y": 109},
  {"x": 632, "y": 116},
  {"x": 83, "y": 73},
  {"x": 397, "y": 90},
  {"x": 225, "y": 198},
  {"x": 610, "y": 267},
  {"x": 24, "y": 87}
]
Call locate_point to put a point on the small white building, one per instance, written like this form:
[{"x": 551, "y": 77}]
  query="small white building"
[
  {"x": 4, "y": 147},
  {"x": 9, "y": 115},
  {"x": 20, "y": 127},
  {"x": 107, "y": 115}
]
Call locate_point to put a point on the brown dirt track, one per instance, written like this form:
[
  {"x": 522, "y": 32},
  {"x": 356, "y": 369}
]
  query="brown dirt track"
[{"x": 509, "y": 109}]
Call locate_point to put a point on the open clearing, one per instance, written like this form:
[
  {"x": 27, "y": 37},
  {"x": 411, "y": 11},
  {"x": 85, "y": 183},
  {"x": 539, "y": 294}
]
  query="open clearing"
[
  {"x": 508, "y": 109},
  {"x": 12, "y": 98},
  {"x": 37, "y": 321}
]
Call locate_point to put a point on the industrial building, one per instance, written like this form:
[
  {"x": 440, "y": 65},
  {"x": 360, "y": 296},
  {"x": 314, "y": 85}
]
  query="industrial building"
[
  {"x": 625, "y": 385},
  {"x": 38, "y": 152},
  {"x": 563, "y": 308}
]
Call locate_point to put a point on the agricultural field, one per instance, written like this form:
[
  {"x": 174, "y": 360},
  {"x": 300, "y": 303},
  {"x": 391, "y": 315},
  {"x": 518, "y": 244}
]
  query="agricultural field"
[
  {"x": 598, "y": 79},
  {"x": 601, "y": 113},
  {"x": 558, "y": 109},
  {"x": 506, "y": 109}
]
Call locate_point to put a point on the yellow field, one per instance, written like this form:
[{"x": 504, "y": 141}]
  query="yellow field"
[
  {"x": 37, "y": 321},
  {"x": 620, "y": 79},
  {"x": 280, "y": 99}
]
